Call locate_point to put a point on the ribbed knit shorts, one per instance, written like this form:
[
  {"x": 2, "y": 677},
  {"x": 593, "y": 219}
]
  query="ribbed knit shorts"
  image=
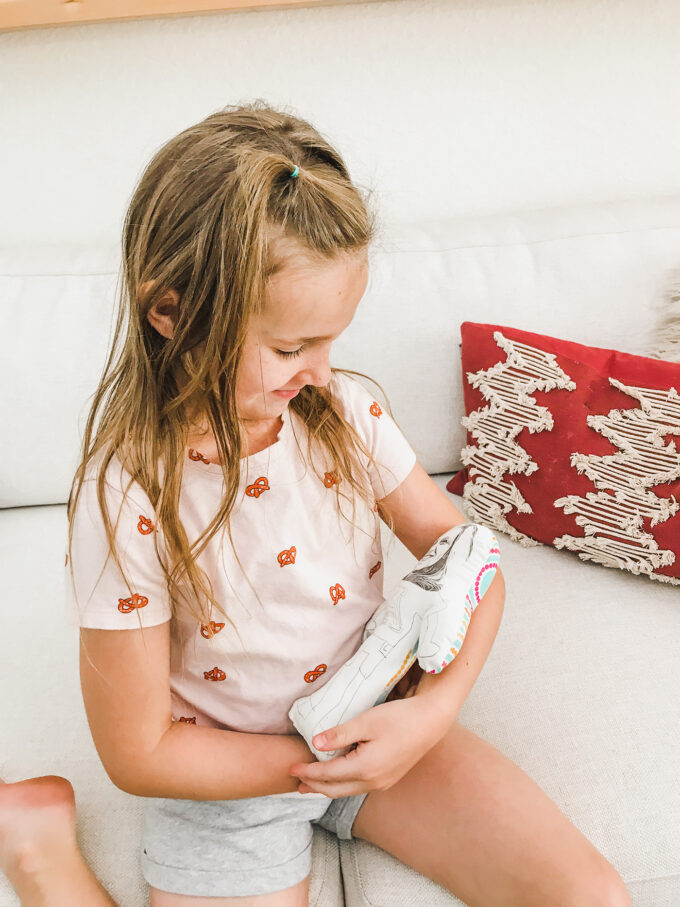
[{"x": 231, "y": 848}]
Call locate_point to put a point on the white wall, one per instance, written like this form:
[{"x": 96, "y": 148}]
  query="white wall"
[{"x": 443, "y": 108}]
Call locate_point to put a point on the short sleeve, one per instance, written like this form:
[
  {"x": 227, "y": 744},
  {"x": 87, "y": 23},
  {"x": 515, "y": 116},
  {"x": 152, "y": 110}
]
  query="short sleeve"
[
  {"x": 104, "y": 601},
  {"x": 394, "y": 456}
]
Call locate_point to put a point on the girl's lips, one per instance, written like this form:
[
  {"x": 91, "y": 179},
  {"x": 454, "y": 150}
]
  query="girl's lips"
[{"x": 287, "y": 394}]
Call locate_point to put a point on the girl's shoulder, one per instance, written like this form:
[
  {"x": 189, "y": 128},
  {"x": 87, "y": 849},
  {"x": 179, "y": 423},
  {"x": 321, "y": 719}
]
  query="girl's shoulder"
[
  {"x": 348, "y": 390},
  {"x": 119, "y": 483},
  {"x": 356, "y": 403}
]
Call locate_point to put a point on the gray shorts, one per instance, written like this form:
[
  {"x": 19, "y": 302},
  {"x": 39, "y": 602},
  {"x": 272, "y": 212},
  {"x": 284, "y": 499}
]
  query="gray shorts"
[{"x": 231, "y": 848}]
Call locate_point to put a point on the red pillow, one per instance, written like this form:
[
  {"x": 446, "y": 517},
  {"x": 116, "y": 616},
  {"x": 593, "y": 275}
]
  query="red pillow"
[{"x": 573, "y": 446}]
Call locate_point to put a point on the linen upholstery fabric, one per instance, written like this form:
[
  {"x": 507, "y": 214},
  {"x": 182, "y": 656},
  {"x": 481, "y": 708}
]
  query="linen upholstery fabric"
[{"x": 573, "y": 446}]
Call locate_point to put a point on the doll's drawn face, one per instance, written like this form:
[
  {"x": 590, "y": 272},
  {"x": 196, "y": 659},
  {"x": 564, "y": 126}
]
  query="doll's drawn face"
[
  {"x": 436, "y": 552},
  {"x": 288, "y": 346},
  {"x": 443, "y": 547}
]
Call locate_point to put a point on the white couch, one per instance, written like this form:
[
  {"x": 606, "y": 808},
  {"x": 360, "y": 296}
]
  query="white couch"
[{"x": 582, "y": 686}]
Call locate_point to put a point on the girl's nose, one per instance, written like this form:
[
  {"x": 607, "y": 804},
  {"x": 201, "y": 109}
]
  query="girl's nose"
[{"x": 318, "y": 371}]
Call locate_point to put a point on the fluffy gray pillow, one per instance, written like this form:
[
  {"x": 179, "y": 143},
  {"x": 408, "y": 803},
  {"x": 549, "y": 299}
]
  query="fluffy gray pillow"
[{"x": 665, "y": 337}]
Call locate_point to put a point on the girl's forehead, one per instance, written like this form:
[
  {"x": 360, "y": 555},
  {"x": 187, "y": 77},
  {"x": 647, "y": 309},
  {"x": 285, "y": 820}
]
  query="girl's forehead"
[{"x": 304, "y": 294}]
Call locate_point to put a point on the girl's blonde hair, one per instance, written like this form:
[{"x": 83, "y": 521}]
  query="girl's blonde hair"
[{"x": 204, "y": 220}]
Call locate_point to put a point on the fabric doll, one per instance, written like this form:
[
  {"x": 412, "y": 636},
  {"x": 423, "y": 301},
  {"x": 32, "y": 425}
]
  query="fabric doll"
[{"x": 426, "y": 616}]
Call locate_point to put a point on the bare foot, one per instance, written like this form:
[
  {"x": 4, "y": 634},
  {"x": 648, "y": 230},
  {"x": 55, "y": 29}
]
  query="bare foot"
[
  {"x": 37, "y": 822},
  {"x": 39, "y": 853}
]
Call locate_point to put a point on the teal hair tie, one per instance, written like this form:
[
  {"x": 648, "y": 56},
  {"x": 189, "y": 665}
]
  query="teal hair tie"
[{"x": 295, "y": 172}]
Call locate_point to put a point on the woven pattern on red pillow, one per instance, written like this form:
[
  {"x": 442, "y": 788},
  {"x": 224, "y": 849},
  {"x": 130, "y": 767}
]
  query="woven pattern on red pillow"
[{"x": 572, "y": 446}]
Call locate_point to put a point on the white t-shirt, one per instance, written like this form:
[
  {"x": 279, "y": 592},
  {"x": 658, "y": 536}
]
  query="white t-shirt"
[{"x": 318, "y": 588}]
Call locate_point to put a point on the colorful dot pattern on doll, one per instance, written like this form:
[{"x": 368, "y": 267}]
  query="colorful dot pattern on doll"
[
  {"x": 477, "y": 591},
  {"x": 410, "y": 657},
  {"x": 486, "y": 575}
]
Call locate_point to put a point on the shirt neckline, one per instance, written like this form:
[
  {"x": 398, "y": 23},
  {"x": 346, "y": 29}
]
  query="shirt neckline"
[{"x": 257, "y": 461}]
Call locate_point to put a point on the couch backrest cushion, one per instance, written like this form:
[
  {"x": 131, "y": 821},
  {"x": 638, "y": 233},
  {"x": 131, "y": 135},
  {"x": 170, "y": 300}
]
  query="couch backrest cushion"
[{"x": 595, "y": 275}]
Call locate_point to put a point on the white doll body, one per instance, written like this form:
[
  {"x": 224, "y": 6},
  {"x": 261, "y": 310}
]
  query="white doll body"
[{"x": 425, "y": 616}]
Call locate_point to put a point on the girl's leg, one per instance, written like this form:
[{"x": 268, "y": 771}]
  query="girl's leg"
[
  {"x": 297, "y": 896},
  {"x": 38, "y": 849},
  {"x": 471, "y": 820}
]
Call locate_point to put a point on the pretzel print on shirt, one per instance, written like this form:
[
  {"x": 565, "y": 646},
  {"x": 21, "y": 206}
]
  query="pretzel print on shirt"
[
  {"x": 375, "y": 409},
  {"x": 374, "y": 570},
  {"x": 258, "y": 486},
  {"x": 330, "y": 479},
  {"x": 337, "y": 592},
  {"x": 215, "y": 674},
  {"x": 317, "y": 672},
  {"x": 145, "y": 526},
  {"x": 287, "y": 556},
  {"x": 213, "y": 626},
  {"x": 187, "y": 720},
  {"x": 196, "y": 455},
  {"x": 125, "y": 605}
]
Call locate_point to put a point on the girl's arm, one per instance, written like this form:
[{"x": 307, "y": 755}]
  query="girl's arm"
[{"x": 126, "y": 692}]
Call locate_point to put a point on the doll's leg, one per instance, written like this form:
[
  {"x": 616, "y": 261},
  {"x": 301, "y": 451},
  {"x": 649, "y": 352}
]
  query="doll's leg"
[
  {"x": 39, "y": 853},
  {"x": 426, "y": 615}
]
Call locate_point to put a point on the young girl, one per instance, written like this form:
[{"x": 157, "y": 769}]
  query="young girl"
[{"x": 224, "y": 558}]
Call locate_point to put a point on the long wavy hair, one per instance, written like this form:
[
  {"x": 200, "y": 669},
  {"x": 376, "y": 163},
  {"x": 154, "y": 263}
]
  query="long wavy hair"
[{"x": 204, "y": 220}]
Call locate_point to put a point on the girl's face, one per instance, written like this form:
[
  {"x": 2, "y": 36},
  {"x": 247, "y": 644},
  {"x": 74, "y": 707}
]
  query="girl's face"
[{"x": 287, "y": 347}]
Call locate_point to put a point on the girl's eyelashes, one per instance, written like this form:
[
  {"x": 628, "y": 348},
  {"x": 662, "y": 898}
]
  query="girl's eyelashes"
[{"x": 288, "y": 355}]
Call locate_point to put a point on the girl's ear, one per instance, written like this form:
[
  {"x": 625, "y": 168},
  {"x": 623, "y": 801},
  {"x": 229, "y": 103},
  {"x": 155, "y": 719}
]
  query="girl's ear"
[{"x": 163, "y": 313}]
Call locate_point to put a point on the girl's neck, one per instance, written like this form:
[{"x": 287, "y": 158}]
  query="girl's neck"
[{"x": 255, "y": 437}]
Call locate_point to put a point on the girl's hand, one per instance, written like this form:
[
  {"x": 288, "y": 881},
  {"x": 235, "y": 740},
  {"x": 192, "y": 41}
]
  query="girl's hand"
[{"x": 390, "y": 737}]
